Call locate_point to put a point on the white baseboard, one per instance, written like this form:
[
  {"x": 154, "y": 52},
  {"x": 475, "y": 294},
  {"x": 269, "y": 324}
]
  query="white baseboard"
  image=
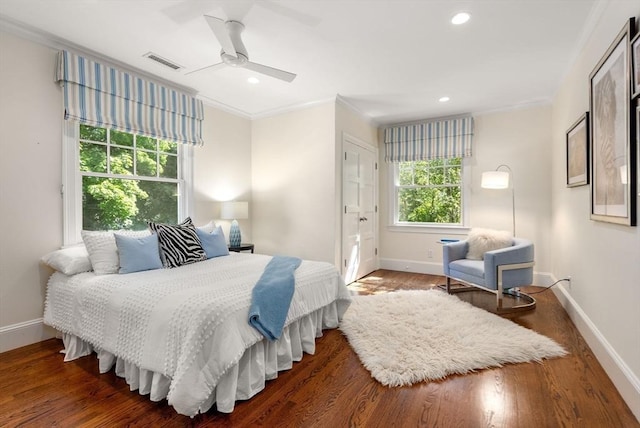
[
  {"x": 623, "y": 378},
  {"x": 413, "y": 266},
  {"x": 23, "y": 334}
]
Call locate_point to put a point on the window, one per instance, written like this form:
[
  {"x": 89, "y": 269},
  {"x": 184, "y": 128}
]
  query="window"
[
  {"x": 120, "y": 180},
  {"x": 428, "y": 192}
]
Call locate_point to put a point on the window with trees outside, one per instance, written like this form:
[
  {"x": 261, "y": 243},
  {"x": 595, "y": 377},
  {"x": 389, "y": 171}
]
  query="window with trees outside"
[
  {"x": 127, "y": 179},
  {"x": 429, "y": 192}
]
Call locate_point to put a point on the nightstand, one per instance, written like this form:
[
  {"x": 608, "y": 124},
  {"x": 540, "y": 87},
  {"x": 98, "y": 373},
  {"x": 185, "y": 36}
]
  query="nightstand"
[{"x": 242, "y": 247}]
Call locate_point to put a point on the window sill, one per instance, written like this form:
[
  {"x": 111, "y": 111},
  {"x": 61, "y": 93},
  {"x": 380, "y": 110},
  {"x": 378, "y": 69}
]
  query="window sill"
[{"x": 429, "y": 229}]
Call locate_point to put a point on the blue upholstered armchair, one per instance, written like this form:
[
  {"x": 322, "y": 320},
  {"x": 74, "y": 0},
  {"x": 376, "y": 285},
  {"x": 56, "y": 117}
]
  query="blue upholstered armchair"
[{"x": 500, "y": 271}]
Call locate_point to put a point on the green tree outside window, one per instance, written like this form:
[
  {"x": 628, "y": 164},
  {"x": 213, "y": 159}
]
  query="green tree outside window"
[
  {"x": 127, "y": 179},
  {"x": 430, "y": 191}
]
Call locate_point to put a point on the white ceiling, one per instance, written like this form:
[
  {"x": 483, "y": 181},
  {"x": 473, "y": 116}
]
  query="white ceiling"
[{"x": 389, "y": 59}]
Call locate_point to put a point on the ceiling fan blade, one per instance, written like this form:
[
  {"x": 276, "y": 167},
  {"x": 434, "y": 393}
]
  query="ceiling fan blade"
[
  {"x": 270, "y": 71},
  {"x": 219, "y": 28},
  {"x": 212, "y": 67}
]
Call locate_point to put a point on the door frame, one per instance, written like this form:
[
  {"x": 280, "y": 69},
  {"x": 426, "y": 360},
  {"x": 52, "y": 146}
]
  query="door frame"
[{"x": 350, "y": 139}]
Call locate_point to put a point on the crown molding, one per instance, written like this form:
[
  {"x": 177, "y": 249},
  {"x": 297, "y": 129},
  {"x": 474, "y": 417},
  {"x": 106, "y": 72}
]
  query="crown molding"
[
  {"x": 514, "y": 107},
  {"x": 210, "y": 102},
  {"x": 291, "y": 108},
  {"x": 348, "y": 104}
]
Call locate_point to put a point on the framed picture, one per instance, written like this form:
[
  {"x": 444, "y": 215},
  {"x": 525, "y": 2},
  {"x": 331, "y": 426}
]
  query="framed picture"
[
  {"x": 612, "y": 126},
  {"x": 635, "y": 69},
  {"x": 578, "y": 152}
]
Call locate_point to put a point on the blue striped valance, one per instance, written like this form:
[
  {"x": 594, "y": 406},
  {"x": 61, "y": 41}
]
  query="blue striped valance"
[
  {"x": 438, "y": 139},
  {"x": 104, "y": 96}
]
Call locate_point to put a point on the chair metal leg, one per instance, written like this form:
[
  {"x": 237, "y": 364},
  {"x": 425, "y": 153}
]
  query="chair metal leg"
[{"x": 500, "y": 291}]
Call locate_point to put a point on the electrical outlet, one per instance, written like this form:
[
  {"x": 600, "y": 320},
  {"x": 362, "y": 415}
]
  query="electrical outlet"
[
  {"x": 567, "y": 281},
  {"x": 430, "y": 254}
]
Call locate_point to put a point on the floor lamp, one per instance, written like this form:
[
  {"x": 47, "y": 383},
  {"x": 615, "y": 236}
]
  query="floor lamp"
[
  {"x": 233, "y": 211},
  {"x": 500, "y": 180}
]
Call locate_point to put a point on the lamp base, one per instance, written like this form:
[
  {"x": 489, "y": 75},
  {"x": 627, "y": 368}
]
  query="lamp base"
[{"x": 235, "y": 237}]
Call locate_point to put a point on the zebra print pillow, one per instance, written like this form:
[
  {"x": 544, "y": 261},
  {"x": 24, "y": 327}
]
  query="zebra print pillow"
[{"x": 179, "y": 244}]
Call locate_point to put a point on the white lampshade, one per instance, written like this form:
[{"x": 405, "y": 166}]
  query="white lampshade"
[
  {"x": 495, "y": 180},
  {"x": 234, "y": 210}
]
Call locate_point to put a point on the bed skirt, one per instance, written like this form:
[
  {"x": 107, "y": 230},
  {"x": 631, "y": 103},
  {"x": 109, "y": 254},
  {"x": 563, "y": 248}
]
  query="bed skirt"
[{"x": 259, "y": 363}]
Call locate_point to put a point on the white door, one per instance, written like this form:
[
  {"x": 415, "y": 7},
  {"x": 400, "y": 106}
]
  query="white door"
[{"x": 360, "y": 211}]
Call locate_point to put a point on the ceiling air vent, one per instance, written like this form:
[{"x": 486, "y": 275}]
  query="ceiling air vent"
[{"x": 163, "y": 61}]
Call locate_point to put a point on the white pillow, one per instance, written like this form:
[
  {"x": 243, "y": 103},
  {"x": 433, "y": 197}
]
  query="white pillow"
[
  {"x": 209, "y": 227},
  {"x": 482, "y": 240},
  {"x": 102, "y": 249},
  {"x": 69, "y": 261}
]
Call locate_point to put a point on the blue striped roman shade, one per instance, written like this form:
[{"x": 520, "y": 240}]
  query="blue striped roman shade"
[
  {"x": 100, "y": 95},
  {"x": 438, "y": 139}
]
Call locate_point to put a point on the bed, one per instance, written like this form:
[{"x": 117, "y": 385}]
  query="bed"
[{"x": 182, "y": 334}]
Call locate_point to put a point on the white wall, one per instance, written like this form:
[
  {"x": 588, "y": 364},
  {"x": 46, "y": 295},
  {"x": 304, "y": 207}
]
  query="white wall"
[
  {"x": 293, "y": 183},
  {"x": 30, "y": 179},
  {"x": 222, "y": 168},
  {"x": 603, "y": 259},
  {"x": 520, "y": 139},
  {"x": 297, "y": 179},
  {"x": 353, "y": 123}
]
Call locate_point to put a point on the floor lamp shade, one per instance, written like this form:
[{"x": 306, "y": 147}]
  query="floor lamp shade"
[
  {"x": 495, "y": 180},
  {"x": 500, "y": 180},
  {"x": 233, "y": 211}
]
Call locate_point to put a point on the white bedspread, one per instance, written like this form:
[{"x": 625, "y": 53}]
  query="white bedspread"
[{"x": 189, "y": 324}]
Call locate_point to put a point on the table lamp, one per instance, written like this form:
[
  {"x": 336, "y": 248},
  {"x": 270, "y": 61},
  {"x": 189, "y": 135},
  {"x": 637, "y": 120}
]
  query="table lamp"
[{"x": 234, "y": 211}]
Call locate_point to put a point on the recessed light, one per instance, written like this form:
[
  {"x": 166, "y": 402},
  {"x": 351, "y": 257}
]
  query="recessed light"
[
  {"x": 253, "y": 80},
  {"x": 460, "y": 18},
  {"x": 444, "y": 99}
]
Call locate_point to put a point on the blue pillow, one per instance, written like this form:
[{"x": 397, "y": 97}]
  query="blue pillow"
[
  {"x": 214, "y": 243},
  {"x": 138, "y": 253}
]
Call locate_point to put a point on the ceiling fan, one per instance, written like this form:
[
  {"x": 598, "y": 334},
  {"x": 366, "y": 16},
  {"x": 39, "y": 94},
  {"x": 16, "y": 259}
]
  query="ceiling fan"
[{"x": 233, "y": 51}]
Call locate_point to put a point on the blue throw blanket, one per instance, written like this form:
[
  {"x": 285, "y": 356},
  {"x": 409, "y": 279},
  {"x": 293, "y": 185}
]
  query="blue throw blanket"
[{"x": 271, "y": 296}]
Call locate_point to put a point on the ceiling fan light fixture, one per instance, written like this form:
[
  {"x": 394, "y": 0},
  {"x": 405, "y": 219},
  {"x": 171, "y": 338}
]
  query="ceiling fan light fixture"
[
  {"x": 234, "y": 53},
  {"x": 460, "y": 18},
  {"x": 234, "y": 61}
]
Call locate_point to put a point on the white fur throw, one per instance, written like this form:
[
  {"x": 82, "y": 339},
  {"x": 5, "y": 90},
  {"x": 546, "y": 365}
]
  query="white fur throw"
[{"x": 482, "y": 240}]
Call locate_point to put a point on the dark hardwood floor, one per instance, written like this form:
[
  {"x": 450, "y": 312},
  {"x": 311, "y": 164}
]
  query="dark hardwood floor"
[{"x": 332, "y": 389}]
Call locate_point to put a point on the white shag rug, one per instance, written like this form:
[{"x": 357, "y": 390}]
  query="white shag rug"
[{"x": 409, "y": 336}]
